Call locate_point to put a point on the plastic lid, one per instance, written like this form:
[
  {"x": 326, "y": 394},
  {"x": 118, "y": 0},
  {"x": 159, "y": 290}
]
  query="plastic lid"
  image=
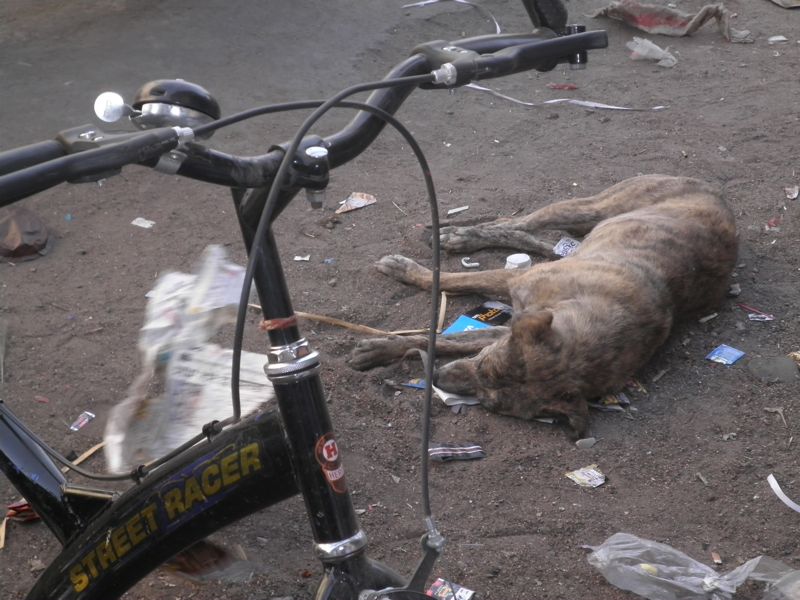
[{"x": 518, "y": 261}]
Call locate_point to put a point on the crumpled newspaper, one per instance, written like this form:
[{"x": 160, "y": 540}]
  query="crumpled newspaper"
[
  {"x": 184, "y": 380},
  {"x": 669, "y": 21}
]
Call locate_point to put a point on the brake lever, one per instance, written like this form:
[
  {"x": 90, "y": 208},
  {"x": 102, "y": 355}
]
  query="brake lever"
[{"x": 456, "y": 65}]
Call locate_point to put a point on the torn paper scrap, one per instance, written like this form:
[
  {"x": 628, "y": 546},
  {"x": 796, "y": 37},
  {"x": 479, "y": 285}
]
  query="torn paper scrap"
[
  {"x": 143, "y": 223},
  {"x": 583, "y": 103},
  {"x": 455, "y": 211},
  {"x": 669, "y": 21},
  {"x": 451, "y": 399},
  {"x": 589, "y": 476},
  {"x": 354, "y": 201},
  {"x": 566, "y": 246},
  {"x": 643, "y": 49}
]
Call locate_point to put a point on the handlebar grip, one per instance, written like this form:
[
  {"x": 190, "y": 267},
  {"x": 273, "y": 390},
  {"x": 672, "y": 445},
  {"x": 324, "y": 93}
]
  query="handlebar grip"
[
  {"x": 89, "y": 164},
  {"x": 456, "y": 65},
  {"x": 19, "y": 158},
  {"x": 534, "y": 55}
]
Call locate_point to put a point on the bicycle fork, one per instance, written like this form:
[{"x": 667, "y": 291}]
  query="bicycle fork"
[{"x": 293, "y": 368}]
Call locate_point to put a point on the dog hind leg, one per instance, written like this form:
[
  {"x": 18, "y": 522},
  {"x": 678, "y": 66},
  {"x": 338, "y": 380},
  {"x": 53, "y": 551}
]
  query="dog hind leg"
[{"x": 577, "y": 216}]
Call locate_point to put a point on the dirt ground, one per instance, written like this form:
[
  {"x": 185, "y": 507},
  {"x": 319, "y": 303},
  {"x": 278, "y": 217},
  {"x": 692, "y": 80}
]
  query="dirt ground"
[{"x": 514, "y": 524}]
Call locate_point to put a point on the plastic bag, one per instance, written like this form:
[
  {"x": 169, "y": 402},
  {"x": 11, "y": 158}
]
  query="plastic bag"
[
  {"x": 786, "y": 588},
  {"x": 659, "y": 572},
  {"x": 184, "y": 381},
  {"x": 644, "y": 49}
]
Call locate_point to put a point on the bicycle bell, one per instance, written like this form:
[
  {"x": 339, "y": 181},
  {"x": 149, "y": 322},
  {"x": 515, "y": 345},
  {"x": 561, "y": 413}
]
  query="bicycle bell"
[
  {"x": 173, "y": 102},
  {"x": 161, "y": 103}
]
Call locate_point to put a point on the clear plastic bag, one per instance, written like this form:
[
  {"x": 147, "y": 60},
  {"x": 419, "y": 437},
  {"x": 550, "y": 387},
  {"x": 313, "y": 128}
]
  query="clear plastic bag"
[
  {"x": 644, "y": 49},
  {"x": 659, "y": 572},
  {"x": 786, "y": 588}
]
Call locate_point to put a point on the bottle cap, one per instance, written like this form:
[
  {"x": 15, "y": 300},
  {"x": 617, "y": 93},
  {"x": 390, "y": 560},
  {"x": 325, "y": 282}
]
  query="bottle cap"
[{"x": 518, "y": 261}]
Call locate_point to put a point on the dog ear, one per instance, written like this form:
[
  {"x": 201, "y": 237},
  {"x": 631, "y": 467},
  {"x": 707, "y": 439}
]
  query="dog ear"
[{"x": 532, "y": 327}]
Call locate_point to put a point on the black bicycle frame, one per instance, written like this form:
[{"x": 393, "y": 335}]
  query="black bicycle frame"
[{"x": 110, "y": 543}]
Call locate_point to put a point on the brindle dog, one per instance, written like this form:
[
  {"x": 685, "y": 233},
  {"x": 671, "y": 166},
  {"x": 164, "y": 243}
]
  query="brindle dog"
[{"x": 657, "y": 248}]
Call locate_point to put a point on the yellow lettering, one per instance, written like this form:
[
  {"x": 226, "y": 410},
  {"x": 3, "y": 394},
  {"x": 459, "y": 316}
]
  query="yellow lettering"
[
  {"x": 488, "y": 315},
  {"x": 230, "y": 469},
  {"x": 122, "y": 545},
  {"x": 79, "y": 579},
  {"x": 173, "y": 502},
  {"x": 118, "y": 543},
  {"x": 105, "y": 554},
  {"x": 192, "y": 493},
  {"x": 211, "y": 487},
  {"x": 88, "y": 562},
  {"x": 249, "y": 459},
  {"x": 135, "y": 529},
  {"x": 149, "y": 514}
]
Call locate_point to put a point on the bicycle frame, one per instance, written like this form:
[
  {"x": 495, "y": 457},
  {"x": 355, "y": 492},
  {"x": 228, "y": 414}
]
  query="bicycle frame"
[{"x": 110, "y": 543}]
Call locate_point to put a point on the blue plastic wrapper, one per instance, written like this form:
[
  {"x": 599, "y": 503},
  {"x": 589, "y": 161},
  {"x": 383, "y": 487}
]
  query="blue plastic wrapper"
[{"x": 725, "y": 355}]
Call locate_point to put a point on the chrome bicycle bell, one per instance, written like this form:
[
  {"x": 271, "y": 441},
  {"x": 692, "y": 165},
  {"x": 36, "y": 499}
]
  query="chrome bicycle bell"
[{"x": 174, "y": 102}]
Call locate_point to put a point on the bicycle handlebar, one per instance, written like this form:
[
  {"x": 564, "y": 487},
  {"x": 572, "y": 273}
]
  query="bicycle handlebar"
[
  {"x": 80, "y": 154},
  {"x": 91, "y": 164}
]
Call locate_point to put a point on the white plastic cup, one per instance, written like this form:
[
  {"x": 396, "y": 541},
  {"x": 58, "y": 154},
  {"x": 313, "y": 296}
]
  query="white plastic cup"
[{"x": 518, "y": 261}]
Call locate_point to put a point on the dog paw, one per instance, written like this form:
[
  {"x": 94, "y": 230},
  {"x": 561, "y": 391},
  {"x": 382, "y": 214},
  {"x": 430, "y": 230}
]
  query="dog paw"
[
  {"x": 375, "y": 352},
  {"x": 459, "y": 239},
  {"x": 457, "y": 377},
  {"x": 404, "y": 269}
]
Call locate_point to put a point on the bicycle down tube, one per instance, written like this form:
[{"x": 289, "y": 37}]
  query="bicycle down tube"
[{"x": 242, "y": 470}]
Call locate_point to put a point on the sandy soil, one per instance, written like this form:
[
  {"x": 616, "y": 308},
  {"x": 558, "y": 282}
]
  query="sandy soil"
[{"x": 514, "y": 523}]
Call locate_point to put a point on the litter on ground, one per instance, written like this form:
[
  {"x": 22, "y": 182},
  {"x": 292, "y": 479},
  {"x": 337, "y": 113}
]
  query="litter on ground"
[{"x": 663, "y": 20}]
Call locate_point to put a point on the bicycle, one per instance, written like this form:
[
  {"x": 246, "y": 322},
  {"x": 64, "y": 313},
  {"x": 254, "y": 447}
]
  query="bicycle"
[{"x": 238, "y": 466}]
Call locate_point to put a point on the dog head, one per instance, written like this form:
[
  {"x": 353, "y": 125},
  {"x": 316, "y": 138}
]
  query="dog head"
[{"x": 524, "y": 375}]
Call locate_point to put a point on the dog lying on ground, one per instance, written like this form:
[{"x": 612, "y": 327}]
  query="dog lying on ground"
[{"x": 657, "y": 248}]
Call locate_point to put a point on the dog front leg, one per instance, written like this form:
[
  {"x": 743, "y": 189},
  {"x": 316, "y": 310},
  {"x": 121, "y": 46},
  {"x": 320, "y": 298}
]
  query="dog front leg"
[
  {"x": 489, "y": 283},
  {"x": 376, "y": 352},
  {"x": 502, "y": 234}
]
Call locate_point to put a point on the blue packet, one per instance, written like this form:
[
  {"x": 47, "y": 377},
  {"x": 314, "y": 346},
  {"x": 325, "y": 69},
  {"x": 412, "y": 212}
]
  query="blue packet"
[{"x": 725, "y": 355}]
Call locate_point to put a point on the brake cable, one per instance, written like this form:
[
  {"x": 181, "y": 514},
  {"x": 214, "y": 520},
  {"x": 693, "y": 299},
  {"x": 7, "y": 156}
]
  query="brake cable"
[
  {"x": 215, "y": 427},
  {"x": 265, "y": 219}
]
